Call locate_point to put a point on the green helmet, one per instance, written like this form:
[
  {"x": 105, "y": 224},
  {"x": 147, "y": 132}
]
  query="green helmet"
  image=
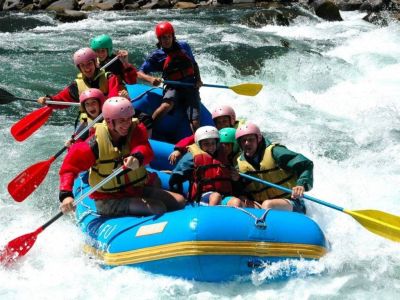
[
  {"x": 227, "y": 135},
  {"x": 102, "y": 42}
]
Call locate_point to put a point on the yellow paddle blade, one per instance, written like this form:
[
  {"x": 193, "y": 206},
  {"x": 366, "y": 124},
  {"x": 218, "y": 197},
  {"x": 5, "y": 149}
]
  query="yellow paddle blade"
[
  {"x": 378, "y": 222},
  {"x": 248, "y": 89}
]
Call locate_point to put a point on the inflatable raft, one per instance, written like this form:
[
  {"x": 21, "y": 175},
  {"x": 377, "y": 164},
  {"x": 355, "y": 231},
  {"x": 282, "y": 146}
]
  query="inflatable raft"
[{"x": 198, "y": 243}]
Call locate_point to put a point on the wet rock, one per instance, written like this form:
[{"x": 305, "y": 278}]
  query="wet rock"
[
  {"x": 185, "y": 5},
  {"x": 61, "y": 5},
  {"x": 70, "y": 16},
  {"x": 13, "y": 4},
  {"x": 326, "y": 10},
  {"x": 132, "y": 6},
  {"x": 376, "y": 18},
  {"x": 154, "y": 4},
  {"x": 269, "y": 17},
  {"x": 349, "y": 5},
  {"x": 372, "y": 5}
]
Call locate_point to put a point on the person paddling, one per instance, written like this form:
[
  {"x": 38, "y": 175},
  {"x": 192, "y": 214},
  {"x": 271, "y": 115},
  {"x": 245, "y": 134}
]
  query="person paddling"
[
  {"x": 117, "y": 141},
  {"x": 274, "y": 163},
  {"x": 90, "y": 76},
  {"x": 175, "y": 60},
  {"x": 208, "y": 169},
  {"x": 103, "y": 46}
]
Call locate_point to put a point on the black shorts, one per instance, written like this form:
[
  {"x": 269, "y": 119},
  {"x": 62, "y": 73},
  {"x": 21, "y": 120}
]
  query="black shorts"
[{"x": 188, "y": 98}]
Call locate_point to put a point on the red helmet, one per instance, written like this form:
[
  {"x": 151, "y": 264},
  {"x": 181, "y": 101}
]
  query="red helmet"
[
  {"x": 246, "y": 129},
  {"x": 224, "y": 110},
  {"x": 92, "y": 93},
  {"x": 117, "y": 108},
  {"x": 164, "y": 28},
  {"x": 84, "y": 55}
]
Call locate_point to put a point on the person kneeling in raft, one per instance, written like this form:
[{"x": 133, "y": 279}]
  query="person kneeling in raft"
[{"x": 119, "y": 140}]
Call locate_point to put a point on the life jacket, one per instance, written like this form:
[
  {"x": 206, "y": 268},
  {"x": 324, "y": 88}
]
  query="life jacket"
[
  {"x": 177, "y": 65},
  {"x": 239, "y": 123},
  {"x": 210, "y": 173},
  {"x": 110, "y": 158},
  {"x": 269, "y": 171},
  {"x": 83, "y": 85}
]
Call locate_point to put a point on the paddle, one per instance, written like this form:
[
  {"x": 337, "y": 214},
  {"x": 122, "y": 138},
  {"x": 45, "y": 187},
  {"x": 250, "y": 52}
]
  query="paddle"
[
  {"x": 381, "y": 223},
  {"x": 19, "y": 246},
  {"x": 247, "y": 89},
  {"x": 6, "y": 98},
  {"x": 28, "y": 180},
  {"x": 25, "y": 127}
]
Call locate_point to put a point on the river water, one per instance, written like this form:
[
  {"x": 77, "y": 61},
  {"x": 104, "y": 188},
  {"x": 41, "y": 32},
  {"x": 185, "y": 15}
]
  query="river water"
[{"x": 332, "y": 94}]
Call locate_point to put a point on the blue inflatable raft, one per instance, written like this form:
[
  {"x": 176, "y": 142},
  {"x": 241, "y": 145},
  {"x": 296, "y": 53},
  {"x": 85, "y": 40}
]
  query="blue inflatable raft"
[{"x": 198, "y": 243}]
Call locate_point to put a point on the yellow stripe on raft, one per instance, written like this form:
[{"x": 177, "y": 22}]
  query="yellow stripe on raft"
[{"x": 197, "y": 248}]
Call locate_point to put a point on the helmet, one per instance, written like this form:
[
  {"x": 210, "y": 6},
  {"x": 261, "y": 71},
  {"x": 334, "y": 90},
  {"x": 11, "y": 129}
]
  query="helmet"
[
  {"x": 84, "y": 55},
  {"x": 227, "y": 135},
  {"x": 117, "y": 108},
  {"x": 164, "y": 28},
  {"x": 224, "y": 110},
  {"x": 102, "y": 42},
  {"x": 92, "y": 93},
  {"x": 206, "y": 132},
  {"x": 248, "y": 128}
]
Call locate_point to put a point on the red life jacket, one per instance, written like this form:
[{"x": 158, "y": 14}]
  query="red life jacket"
[
  {"x": 211, "y": 174},
  {"x": 177, "y": 66}
]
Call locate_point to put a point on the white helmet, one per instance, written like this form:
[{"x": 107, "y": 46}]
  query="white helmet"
[{"x": 206, "y": 132}]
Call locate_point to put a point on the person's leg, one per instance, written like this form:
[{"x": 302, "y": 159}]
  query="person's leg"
[
  {"x": 172, "y": 201},
  {"x": 162, "y": 110},
  {"x": 169, "y": 99},
  {"x": 129, "y": 206},
  {"x": 279, "y": 204},
  {"x": 192, "y": 101},
  {"x": 232, "y": 201},
  {"x": 144, "y": 207},
  {"x": 215, "y": 199}
]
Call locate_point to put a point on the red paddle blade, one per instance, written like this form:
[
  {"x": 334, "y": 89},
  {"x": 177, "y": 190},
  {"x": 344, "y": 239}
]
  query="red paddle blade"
[
  {"x": 25, "y": 127},
  {"x": 18, "y": 247},
  {"x": 28, "y": 180}
]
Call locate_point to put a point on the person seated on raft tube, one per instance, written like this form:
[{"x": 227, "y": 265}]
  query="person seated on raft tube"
[
  {"x": 223, "y": 116},
  {"x": 208, "y": 169},
  {"x": 176, "y": 62},
  {"x": 274, "y": 163},
  {"x": 126, "y": 72},
  {"x": 92, "y": 101},
  {"x": 90, "y": 76},
  {"x": 116, "y": 141},
  {"x": 103, "y": 46}
]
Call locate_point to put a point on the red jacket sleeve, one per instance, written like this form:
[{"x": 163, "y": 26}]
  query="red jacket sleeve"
[
  {"x": 130, "y": 74},
  {"x": 183, "y": 143},
  {"x": 68, "y": 94},
  {"x": 140, "y": 145},
  {"x": 79, "y": 158}
]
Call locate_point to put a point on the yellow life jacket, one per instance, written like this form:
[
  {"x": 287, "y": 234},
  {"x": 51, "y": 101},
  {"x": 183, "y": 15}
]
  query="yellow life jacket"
[
  {"x": 83, "y": 86},
  {"x": 110, "y": 158},
  {"x": 268, "y": 171},
  {"x": 239, "y": 123}
]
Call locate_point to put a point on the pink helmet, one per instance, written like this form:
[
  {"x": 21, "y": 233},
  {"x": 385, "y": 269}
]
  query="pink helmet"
[
  {"x": 224, "y": 110},
  {"x": 164, "y": 28},
  {"x": 117, "y": 108},
  {"x": 92, "y": 93},
  {"x": 84, "y": 55},
  {"x": 246, "y": 129}
]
